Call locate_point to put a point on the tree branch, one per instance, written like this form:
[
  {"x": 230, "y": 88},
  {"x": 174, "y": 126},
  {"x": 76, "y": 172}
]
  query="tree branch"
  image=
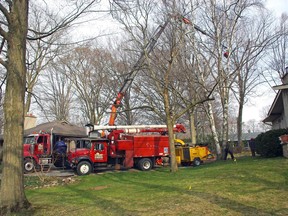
[
  {"x": 2, "y": 83},
  {"x": 5, "y": 11},
  {"x": 2, "y": 62},
  {"x": 2, "y": 45},
  {"x": 3, "y": 33},
  {"x": 64, "y": 23}
]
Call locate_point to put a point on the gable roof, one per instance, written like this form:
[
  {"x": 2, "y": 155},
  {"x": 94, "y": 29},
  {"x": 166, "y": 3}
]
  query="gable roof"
[
  {"x": 62, "y": 128},
  {"x": 276, "y": 108}
]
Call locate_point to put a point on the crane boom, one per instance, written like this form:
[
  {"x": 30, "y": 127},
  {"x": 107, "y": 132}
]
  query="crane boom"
[{"x": 128, "y": 81}]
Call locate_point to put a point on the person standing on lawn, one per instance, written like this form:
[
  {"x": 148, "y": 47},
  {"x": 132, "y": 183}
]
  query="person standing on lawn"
[
  {"x": 228, "y": 150},
  {"x": 252, "y": 146}
]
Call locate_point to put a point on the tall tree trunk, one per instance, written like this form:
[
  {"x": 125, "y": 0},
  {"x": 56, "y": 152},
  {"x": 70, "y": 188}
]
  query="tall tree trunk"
[
  {"x": 240, "y": 109},
  {"x": 28, "y": 101},
  {"x": 170, "y": 124},
  {"x": 225, "y": 103},
  {"x": 213, "y": 129},
  {"x": 192, "y": 127},
  {"x": 12, "y": 184},
  {"x": 239, "y": 120}
]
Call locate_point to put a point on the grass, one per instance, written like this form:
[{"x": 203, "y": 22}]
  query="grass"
[{"x": 250, "y": 186}]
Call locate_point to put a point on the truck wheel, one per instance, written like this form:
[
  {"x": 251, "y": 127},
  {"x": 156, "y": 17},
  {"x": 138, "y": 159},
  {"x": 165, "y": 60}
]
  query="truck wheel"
[
  {"x": 29, "y": 165},
  {"x": 145, "y": 164},
  {"x": 84, "y": 168},
  {"x": 196, "y": 162}
]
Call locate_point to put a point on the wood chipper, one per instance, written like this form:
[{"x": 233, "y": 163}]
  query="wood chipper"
[{"x": 188, "y": 155}]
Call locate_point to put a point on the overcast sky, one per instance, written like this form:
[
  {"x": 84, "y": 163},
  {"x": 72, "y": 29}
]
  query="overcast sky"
[{"x": 278, "y": 6}]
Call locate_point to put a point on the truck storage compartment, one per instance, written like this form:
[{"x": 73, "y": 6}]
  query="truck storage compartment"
[
  {"x": 124, "y": 144},
  {"x": 152, "y": 145}
]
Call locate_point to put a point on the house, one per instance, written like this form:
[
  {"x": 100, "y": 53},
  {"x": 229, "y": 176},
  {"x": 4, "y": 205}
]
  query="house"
[
  {"x": 245, "y": 138},
  {"x": 278, "y": 113}
]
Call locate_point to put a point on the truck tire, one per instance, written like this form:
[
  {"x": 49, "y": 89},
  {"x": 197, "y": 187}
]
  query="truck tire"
[
  {"x": 29, "y": 165},
  {"x": 145, "y": 164},
  {"x": 196, "y": 162},
  {"x": 84, "y": 168}
]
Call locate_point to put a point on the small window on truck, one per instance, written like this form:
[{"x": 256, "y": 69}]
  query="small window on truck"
[
  {"x": 83, "y": 144},
  {"x": 99, "y": 146},
  {"x": 29, "y": 140},
  {"x": 87, "y": 144},
  {"x": 40, "y": 139}
]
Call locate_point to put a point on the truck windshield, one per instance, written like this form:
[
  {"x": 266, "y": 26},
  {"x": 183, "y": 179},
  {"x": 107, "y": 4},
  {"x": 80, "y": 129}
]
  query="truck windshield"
[
  {"x": 29, "y": 140},
  {"x": 83, "y": 144}
]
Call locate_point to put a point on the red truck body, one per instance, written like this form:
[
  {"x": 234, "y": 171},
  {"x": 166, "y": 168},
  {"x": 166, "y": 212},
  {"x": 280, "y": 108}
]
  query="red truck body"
[
  {"x": 120, "y": 147},
  {"x": 38, "y": 152}
]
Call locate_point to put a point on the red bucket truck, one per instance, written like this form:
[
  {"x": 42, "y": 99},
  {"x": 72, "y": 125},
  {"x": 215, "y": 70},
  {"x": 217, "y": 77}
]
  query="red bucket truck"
[{"x": 138, "y": 146}]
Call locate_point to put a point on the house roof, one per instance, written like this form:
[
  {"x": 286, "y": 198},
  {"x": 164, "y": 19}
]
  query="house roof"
[
  {"x": 276, "y": 108},
  {"x": 61, "y": 128},
  {"x": 245, "y": 136}
]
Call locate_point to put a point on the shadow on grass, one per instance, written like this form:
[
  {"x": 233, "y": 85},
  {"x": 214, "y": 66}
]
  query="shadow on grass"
[
  {"x": 80, "y": 202},
  {"x": 212, "y": 198}
]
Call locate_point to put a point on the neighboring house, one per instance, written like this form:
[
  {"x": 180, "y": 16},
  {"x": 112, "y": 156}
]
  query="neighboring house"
[
  {"x": 278, "y": 113},
  {"x": 245, "y": 138}
]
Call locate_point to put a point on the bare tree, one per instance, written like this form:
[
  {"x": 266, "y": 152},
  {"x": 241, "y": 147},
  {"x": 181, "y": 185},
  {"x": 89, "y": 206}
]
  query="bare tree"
[
  {"x": 278, "y": 59},
  {"x": 56, "y": 93},
  {"x": 39, "y": 51},
  {"x": 222, "y": 23},
  {"x": 90, "y": 71},
  {"x": 252, "y": 40},
  {"x": 13, "y": 32}
]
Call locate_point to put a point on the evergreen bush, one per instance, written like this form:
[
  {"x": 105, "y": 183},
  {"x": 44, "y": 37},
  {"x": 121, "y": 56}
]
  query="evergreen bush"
[{"x": 268, "y": 143}]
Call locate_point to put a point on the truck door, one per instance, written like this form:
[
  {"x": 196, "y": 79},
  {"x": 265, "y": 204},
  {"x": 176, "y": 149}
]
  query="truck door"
[
  {"x": 43, "y": 144},
  {"x": 40, "y": 144},
  {"x": 100, "y": 152}
]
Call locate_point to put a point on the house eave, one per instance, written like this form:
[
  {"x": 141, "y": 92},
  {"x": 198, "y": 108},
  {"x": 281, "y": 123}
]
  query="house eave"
[{"x": 272, "y": 117}]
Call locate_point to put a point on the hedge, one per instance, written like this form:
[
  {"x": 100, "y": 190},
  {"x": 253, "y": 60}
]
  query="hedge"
[{"x": 268, "y": 143}]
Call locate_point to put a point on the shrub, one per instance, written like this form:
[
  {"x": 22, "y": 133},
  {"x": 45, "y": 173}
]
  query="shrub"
[{"x": 268, "y": 143}]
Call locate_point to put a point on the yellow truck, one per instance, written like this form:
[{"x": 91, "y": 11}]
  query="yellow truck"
[{"x": 188, "y": 155}]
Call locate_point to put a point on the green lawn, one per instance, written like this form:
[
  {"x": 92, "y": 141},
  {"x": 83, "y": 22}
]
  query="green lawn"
[{"x": 246, "y": 187}]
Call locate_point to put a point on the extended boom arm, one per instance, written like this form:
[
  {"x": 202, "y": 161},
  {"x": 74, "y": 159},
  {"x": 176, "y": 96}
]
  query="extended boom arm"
[{"x": 128, "y": 81}]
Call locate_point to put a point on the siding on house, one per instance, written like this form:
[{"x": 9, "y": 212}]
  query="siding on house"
[{"x": 278, "y": 112}]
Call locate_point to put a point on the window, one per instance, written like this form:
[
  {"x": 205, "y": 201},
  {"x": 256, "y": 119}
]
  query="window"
[
  {"x": 99, "y": 146},
  {"x": 29, "y": 140},
  {"x": 87, "y": 144},
  {"x": 83, "y": 144}
]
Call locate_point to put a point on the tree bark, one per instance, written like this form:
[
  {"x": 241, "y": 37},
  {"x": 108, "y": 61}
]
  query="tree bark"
[
  {"x": 239, "y": 119},
  {"x": 28, "y": 101},
  {"x": 12, "y": 184},
  {"x": 225, "y": 107},
  {"x": 213, "y": 129},
  {"x": 170, "y": 124},
  {"x": 192, "y": 127}
]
